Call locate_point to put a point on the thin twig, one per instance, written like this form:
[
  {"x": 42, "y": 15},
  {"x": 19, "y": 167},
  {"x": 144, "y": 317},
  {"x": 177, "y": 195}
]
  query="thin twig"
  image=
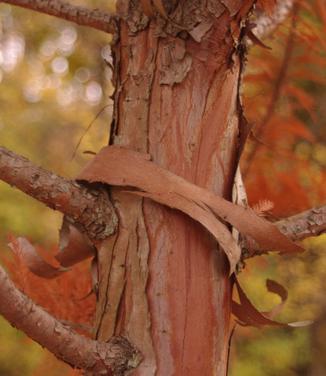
[
  {"x": 94, "y": 18},
  {"x": 88, "y": 128},
  {"x": 114, "y": 357},
  {"x": 89, "y": 208}
]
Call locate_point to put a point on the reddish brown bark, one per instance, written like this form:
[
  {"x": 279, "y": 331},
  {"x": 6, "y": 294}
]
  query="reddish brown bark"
[
  {"x": 166, "y": 286},
  {"x": 163, "y": 282}
]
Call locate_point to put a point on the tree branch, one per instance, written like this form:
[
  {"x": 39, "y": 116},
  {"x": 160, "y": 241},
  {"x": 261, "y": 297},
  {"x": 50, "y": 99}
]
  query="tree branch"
[
  {"x": 112, "y": 358},
  {"x": 303, "y": 225},
  {"x": 95, "y": 18},
  {"x": 90, "y": 209},
  {"x": 298, "y": 227}
]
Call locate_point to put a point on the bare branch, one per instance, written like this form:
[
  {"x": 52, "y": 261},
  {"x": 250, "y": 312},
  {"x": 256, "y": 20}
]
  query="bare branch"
[
  {"x": 89, "y": 208},
  {"x": 94, "y": 18},
  {"x": 298, "y": 227},
  {"x": 267, "y": 23},
  {"x": 112, "y": 358},
  {"x": 303, "y": 225}
]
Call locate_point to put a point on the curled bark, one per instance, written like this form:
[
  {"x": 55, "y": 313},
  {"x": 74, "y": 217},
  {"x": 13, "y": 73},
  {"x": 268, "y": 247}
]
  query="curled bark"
[
  {"x": 94, "y": 18},
  {"x": 90, "y": 209},
  {"x": 112, "y": 358}
]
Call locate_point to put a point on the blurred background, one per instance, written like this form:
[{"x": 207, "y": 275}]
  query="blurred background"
[{"x": 55, "y": 88}]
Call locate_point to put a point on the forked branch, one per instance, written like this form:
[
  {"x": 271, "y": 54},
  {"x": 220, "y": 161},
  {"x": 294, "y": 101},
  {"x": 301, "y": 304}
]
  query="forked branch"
[
  {"x": 88, "y": 208},
  {"x": 112, "y": 358},
  {"x": 94, "y": 18}
]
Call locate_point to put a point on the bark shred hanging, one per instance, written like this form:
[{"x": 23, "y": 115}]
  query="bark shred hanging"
[{"x": 123, "y": 167}]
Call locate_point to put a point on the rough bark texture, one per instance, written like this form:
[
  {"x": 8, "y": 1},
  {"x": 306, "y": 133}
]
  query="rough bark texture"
[
  {"x": 89, "y": 208},
  {"x": 166, "y": 283},
  {"x": 311, "y": 222},
  {"x": 298, "y": 227}
]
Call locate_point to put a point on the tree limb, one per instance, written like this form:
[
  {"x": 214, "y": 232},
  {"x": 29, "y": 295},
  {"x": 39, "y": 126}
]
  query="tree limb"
[
  {"x": 90, "y": 209},
  {"x": 94, "y": 18},
  {"x": 100, "y": 358},
  {"x": 309, "y": 223},
  {"x": 303, "y": 225}
]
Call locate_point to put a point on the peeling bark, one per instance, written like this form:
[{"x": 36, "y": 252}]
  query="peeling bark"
[
  {"x": 163, "y": 281},
  {"x": 166, "y": 283}
]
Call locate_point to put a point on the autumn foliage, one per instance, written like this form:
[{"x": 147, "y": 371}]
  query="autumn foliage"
[
  {"x": 284, "y": 159},
  {"x": 283, "y": 164},
  {"x": 69, "y": 297}
]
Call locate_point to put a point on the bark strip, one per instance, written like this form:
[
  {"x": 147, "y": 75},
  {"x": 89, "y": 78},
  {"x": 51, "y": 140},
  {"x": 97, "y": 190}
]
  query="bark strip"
[
  {"x": 89, "y": 208},
  {"x": 94, "y": 18},
  {"x": 112, "y": 358}
]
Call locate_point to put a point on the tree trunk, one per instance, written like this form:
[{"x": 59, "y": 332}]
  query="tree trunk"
[{"x": 163, "y": 280}]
